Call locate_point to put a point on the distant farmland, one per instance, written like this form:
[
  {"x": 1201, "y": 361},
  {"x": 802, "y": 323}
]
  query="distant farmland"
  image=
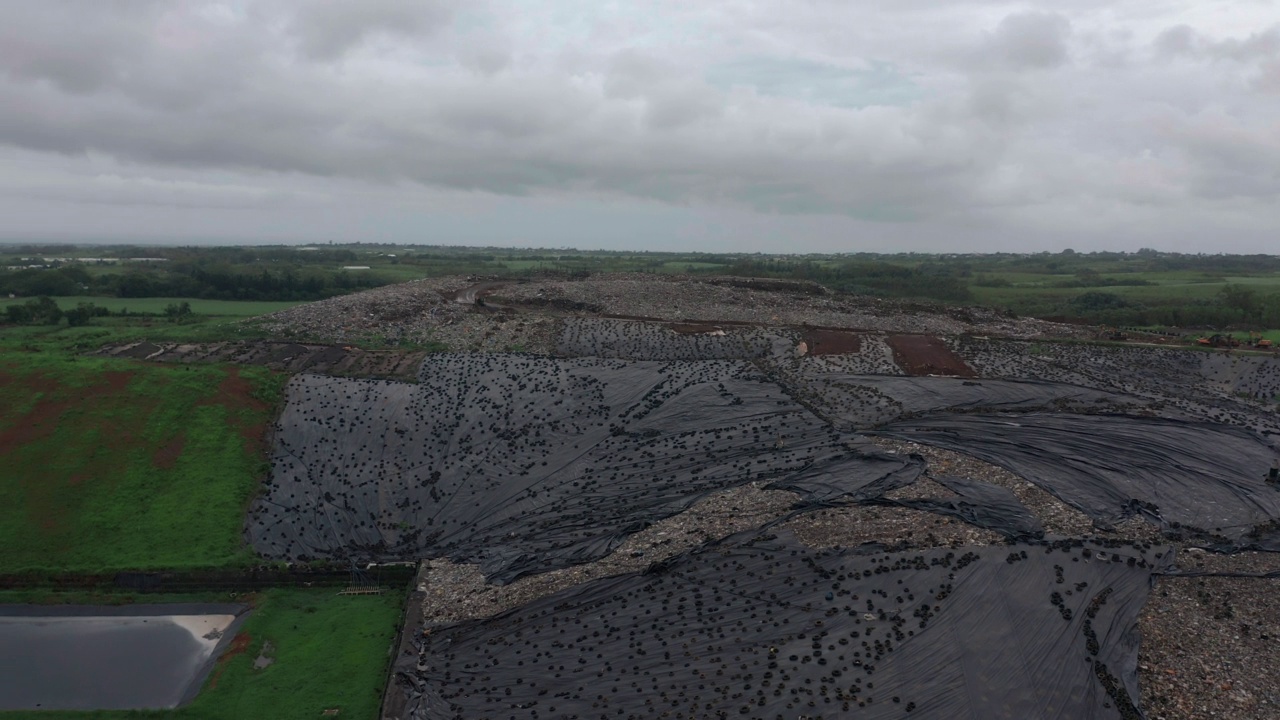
[{"x": 156, "y": 306}]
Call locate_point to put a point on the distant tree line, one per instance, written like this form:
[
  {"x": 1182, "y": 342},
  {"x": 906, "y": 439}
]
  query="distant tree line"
[
  {"x": 45, "y": 311},
  {"x": 1234, "y": 306},
  {"x": 1068, "y": 284},
  {"x": 201, "y": 279}
]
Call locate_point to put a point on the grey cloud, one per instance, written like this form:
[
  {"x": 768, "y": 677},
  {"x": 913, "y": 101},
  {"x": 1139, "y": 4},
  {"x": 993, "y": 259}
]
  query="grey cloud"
[
  {"x": 1268, "y": 78},
  {"x": 1230, "y": 158},
  {"x": 1186, "y": 41},
  {"x": 1264, "y": 44},
  {"x": 766, "y": 115},
  {"x": 671, "y": 97},
  {"x": 879, "y": 83},
  {"x": 1177, "y": 40},
  {"x": 326, "y": 29},
  {"x": 484, "y": 59},
  {"x": 123, "y": 190},
  {"x": 78, "y": 47},
  {"x": 1029, "y": 40}
]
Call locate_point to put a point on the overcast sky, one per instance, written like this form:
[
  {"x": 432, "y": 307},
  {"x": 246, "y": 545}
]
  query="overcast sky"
[{"x": 796, "y": 126}]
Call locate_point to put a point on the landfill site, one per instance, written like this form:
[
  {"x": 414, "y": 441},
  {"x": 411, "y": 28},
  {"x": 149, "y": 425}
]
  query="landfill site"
[{"x": 674, "y": 497}]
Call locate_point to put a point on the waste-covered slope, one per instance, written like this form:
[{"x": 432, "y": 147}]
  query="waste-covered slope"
[{"x": 524, "y": 463}]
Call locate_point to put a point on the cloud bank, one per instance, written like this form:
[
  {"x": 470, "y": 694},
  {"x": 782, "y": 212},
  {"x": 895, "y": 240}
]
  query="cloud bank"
[{"x": 815, "y": 126}]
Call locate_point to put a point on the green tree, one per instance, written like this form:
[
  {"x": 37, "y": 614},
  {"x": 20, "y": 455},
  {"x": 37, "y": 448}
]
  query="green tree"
[
  {"x": 39, "y": 311},
  {"x": 81, "y": 314},
  {"x": 1242, "y": 298},
  {"x": 177, "y": 312}
]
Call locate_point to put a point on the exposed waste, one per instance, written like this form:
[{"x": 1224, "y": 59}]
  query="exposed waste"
[
  {"x": 635, "y": 340},
  {"x": 528, "y": 314},
  {"x": 981, "y": 504},
  {"x": 1202, "y": 483}
]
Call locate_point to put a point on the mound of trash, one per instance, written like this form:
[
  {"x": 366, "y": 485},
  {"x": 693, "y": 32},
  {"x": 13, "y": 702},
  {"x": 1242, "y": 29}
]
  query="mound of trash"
[{"x": 634, "y": 340}]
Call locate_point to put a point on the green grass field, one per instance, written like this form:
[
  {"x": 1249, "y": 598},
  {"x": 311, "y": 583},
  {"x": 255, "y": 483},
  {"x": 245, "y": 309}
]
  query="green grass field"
[
  {"x": 680, "y": 267},
  {"x": 109, "y": 330},
  {"x": 216, "y": 308},
  {"x": 330, "y": 652},
  {"x": 113, "y": 465}
]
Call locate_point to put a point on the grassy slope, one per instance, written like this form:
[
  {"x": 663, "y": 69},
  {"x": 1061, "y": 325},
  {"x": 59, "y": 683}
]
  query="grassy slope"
[
  {"x": 330, "y": 652},
  {"x": 113, "y": 464}
]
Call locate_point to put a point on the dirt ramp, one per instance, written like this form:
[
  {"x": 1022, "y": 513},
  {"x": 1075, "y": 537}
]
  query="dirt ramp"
[
  {"x": 927, "y": 355},
  {"x": 284, "y": 356}
]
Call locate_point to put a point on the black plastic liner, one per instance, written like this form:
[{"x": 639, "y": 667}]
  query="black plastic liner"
[
  {"x": 1198, "y": 480},
  {"x": 525, "y": 464},
  {"x": 771, "y": 629},
  {"x": 853, "y": 400},
  {"x": 981, "y": 504}
]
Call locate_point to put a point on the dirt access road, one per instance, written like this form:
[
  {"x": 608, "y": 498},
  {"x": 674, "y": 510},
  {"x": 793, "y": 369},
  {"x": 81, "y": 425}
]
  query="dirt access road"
[{"x": 470, "y": 294}]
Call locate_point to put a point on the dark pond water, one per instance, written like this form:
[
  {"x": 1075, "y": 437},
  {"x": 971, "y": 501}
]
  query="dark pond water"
[{"x": 107, "y": 658}]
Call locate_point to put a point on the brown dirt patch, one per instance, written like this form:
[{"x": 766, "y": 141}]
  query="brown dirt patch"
[
  {"x": 831, "y": 342},
  {"x": 117, "y": 380},
  {"x": 236, "y": 393},
  {"x": 166, "y": 458},
  {"x": 927, "y": 355},
  {"x": 40, "y": 423},
  {"x": 239, "y": 645},
  {"x": 255, "y": 437},
  {"x": 42, "y": 420}
]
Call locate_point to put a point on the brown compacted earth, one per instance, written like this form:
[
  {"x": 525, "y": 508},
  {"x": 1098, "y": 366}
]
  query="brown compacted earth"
[{"x": 927, "y": 355}]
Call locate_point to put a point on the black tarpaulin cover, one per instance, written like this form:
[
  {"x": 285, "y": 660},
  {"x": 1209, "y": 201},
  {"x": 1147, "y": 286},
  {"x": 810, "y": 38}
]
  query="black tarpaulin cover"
[
  {"x": 768, "y": 628},
  {"x": 525, "y": 464},
  {"x": 860, "y": 401},
  {"x": 981, "y": 504},
  {"x": 1203, "y": 478}
]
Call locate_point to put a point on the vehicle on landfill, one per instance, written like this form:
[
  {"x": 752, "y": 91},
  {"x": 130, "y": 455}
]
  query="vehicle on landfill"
[{"x": 1222, "y": 341}]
